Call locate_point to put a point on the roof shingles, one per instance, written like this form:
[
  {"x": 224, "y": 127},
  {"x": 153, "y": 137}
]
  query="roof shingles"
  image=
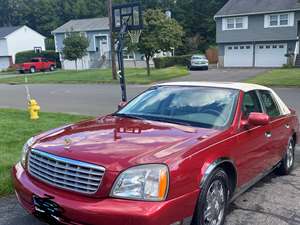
[
  {"x": 4, "y": 31},
  {"x": 240, "y": 7},
  {"x": 84, "y": 25}
]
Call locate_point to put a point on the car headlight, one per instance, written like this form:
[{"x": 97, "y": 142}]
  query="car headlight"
[
  {"x": 25, "y": 150},
  {"x": 145, "y": 182}
]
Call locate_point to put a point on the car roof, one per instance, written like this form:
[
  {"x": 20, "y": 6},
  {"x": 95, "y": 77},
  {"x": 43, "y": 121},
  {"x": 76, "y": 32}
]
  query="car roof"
[{"x": 245, "y": 87}]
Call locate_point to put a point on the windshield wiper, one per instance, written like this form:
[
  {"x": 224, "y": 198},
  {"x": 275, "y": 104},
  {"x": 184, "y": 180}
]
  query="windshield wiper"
[
  {"x": 129, "y": 116},
  {"x": 166, "y": 120}
]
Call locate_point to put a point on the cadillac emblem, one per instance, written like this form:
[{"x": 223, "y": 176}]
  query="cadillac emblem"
[{"x": 67, "y": 143}]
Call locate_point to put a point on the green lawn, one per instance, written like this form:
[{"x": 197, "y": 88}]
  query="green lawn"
[
  {"x": 15, "y": 129},
  {"x": 278, "y": 77},
  {"x": 133, "y": 76}
]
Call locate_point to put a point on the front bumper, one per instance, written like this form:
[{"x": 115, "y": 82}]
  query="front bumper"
[{"x": 78, "y": 209}]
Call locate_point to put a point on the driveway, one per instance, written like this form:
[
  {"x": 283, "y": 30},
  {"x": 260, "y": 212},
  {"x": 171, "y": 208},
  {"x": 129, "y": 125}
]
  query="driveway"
[{"x": 221, "y": 75}]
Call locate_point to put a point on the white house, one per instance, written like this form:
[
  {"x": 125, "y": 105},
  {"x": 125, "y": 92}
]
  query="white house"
[{"x": 17, "y": 39}]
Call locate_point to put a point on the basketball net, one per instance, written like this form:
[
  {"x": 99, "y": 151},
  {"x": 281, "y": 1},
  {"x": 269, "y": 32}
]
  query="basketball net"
[{"x": 135, "y": 36}]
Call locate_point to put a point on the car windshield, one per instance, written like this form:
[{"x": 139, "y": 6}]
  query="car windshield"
[
  {"x": 198, "y": 57},
  {"x": 206, "y": 107}
]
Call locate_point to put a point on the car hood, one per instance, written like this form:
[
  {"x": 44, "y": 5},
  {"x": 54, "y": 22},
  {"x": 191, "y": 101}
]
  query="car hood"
[{"x": 118, "y": 143}]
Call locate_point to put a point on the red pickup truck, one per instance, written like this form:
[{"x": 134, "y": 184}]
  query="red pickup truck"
[{"x": 37, "y": 64}]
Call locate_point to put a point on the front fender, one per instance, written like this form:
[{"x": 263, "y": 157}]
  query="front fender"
[{"x": 210, "y": 167}]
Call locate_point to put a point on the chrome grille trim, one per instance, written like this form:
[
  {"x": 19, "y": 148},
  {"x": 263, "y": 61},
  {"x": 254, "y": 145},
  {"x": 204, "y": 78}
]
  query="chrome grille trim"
[{"x": 65, "y": 173}]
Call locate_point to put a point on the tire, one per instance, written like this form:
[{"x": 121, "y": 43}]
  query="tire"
[
  {"x": 32, "y": 70},
  {"x": 51, "y": 68},
  {"x": 206, "y": 68},
  {"x": 217, "y": 212},
  {"x": 288, "y": 161}
]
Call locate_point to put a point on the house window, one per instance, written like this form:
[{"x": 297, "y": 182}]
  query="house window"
[
  {"x": 128, "y": 55},
  {"x": 235, "y": 23},
  {"x": 279, "y": 20},
  {"x": 229, "y": 48},
  {"x": 242, "y": 47},
  {"x": 274, "y": 46},
  {"x": 284, "y": 19},
  {"x": 268, "y": 46},
  {"x": 236, "y": 47},
  {"x": 261, "y": 47},
  {"x": 248, "y": 47}
]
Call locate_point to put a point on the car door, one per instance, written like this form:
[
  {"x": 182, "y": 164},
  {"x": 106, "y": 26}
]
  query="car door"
[
  {"x": 278, "y": 127},
  {"x": 252, "y": 142}
]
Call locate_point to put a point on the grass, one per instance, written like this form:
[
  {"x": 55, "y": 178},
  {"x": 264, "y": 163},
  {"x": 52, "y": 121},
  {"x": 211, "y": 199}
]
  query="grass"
[
  {"x": 16, "y": 128},
  {"x": 278, "y": 77},
  {"x": 133, "y": 76}
]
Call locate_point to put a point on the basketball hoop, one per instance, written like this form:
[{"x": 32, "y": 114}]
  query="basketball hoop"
[
  {"x": 135, "y": 36},
  {"x": 126, "y": 18}
]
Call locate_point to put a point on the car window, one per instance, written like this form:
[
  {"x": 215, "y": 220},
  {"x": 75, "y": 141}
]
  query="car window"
[
  {"x": 250, "y": 104},
  {"x": 34, "y": 60},
  {"x": 196, "y": 106},
  {"x": 269, "y": 104},
  {"x": 198, "y": 57}
]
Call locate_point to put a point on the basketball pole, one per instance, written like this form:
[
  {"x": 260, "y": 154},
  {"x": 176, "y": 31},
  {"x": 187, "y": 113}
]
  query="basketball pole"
[{"x": 121, "y": 71}]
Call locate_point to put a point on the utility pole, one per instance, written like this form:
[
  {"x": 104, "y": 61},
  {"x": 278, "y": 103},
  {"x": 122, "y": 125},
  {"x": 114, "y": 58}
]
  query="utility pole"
[{"x": 112, "y": 42}]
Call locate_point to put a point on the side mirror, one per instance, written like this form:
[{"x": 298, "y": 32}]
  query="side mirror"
[
  {"x": 121, "y": 105},
  {"x": 258, "y": 119}
]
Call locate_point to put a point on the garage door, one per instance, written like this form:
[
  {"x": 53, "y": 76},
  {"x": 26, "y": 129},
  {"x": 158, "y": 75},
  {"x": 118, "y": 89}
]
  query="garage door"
[
  {"x": 238, "y": 56},
  {"x": 4, "y": 62},
  {"x": 270, "y": 55}
]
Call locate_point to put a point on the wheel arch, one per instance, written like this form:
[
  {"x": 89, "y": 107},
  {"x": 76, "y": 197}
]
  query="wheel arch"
[{"x": 228, "y": 166}]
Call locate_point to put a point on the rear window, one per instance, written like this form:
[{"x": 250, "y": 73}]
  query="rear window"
[
  {"x": 269, "y": 104},
  {"x": 198, "y": 57}
]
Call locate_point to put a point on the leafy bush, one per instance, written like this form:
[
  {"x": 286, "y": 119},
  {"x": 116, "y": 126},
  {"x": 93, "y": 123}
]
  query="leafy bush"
[
  {"x": 28, "y": 55},
  {"x": 165, "y": 62}
]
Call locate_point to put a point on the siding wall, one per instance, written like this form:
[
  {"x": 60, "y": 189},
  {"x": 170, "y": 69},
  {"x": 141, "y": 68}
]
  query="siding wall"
[
  {"x": 256, "y": 31},
  {"x": 3, "y": 47},
  {"x": 59, "y": 40},
  {"x": 24, "y": 39}
]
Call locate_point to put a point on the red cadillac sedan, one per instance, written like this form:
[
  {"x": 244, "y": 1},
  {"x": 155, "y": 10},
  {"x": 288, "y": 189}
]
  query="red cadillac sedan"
[{"x": 177, "y": 154}]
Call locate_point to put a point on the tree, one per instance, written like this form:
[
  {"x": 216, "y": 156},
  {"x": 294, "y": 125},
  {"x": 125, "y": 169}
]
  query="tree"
[
  {"x": 160, "y": 34},
  {"x": 75, "y": 47}
]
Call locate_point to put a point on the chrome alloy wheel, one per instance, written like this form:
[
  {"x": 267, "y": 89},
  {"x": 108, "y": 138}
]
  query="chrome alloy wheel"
[
  {"x": 290, "y": 155},
  {"x": 215, "y": 204}
]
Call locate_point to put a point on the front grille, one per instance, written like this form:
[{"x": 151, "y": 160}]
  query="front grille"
[{"x": 65, "y": 173}]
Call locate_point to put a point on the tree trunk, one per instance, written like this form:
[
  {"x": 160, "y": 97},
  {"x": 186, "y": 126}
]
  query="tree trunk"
[
  {"x": 76, "y": 65},
  {"x": 112, "y": 43},
  {"x": 148, "y": 65}
]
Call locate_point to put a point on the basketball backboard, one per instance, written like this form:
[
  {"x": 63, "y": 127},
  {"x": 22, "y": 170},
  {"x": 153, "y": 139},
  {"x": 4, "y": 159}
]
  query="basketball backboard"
[{"x": 130, "y": 13}]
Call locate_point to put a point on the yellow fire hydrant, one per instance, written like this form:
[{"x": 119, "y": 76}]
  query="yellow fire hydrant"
[{"x": 33, "y": 109}]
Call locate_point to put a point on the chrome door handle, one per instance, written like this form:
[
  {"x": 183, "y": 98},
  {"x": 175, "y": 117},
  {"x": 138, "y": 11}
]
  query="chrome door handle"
[
  {"x": 268, "y": 134},
  {"x": 287, "y": 126}
]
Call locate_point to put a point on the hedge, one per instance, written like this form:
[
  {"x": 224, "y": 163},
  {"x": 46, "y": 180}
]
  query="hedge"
[
  {"x": 165, "y": 62},
  {"x": 28, "y": 55}
]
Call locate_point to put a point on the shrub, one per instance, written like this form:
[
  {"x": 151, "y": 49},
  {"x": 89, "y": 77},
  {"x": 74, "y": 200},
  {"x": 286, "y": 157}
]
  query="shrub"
[
  {"x": 165, "y": 62},
  {"x": 28, "y": 55}
]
